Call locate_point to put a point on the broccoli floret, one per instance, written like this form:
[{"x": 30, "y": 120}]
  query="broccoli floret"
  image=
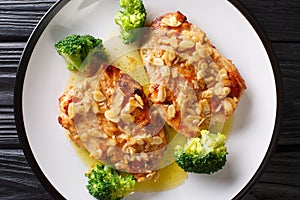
[
  {"x": 204, "y": 155},
  {"x": 131, "y": 17},
  {"x": 105, "y": 183},
  {"x": 76, "y": 48}
]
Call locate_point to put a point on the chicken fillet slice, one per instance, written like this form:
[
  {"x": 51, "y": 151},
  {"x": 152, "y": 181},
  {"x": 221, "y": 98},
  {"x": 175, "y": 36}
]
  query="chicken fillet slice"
[{"x": 191, "y": 83}]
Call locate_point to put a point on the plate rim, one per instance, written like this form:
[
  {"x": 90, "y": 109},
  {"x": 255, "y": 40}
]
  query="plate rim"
[
  {"x": 18, "y": 97},
  {"x": 279, "y": 95},
  {"x": 25, "y": 58}
]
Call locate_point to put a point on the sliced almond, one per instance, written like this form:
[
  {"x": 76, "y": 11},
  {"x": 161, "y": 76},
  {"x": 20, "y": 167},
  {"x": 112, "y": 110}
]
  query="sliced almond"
[
  {"x": 158, "y": 62},
  {"x": 118, "y": 99},
  {"x": 185, "y": 44},
  {"x": 87, "y": 106},
  {"x": 165, "y": 71},
  {"x": 222, "y": 92},
  {"x": 128, "y": 108},
  {"x": 174, "y": 73},
  {"x": 207, "y": 94},
  {"x": 200, "y": 50},
  {"x": 93, "y": 133},
  {"x": 170, "y": 21},
  {"x": 84, "y": 137},
  {"x": 95, "y": 108},
  {"x": 205, "y": 107},
  {"x": 127, "y": 118},
  {"x": 102, "y": 107},
  {"x": 123, "y": 137},
  {"x": 174, "y": 42},
  {"x": 174, "y": 22},
  {"x": 140, "y": 141},
  {"x": 134, "y": 103},
  {"x": 96, "y": 154},
  {"x": 171, "y": 111},
  {"x": 161, "y": 95},
  {"x": 71, "y": 112},
  {"x": 139, "y": 99},
  {"x": 99, "y": 96},
  {"x": 157, "y": 140},
  {"x": 228, "y": 108},
  {"x": 111, "y": 116}
]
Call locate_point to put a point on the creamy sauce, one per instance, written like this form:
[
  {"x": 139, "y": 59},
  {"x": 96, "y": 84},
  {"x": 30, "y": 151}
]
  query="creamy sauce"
[
  {"x": 224, "y": 128},
  {"x": 167, "y": 178},
  {"x": 132, "y": 64},
  {"x": 84, "y": 155},
  {"x": 170, "y": 175}
]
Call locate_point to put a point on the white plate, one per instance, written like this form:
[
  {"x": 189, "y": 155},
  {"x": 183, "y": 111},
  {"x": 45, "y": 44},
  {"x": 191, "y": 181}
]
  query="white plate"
[{"x": 42, "y": 77}]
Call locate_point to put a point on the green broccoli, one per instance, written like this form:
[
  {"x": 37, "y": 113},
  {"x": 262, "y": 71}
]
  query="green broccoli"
[
  {"x": 204, "y": 155},
  {"x": 105, "y": 183},
  {"x": 76, "y": 48},
  {"x": 131, "y": 17}
]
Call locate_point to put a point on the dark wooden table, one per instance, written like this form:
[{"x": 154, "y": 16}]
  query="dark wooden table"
[{"x": 280, "y": 19}]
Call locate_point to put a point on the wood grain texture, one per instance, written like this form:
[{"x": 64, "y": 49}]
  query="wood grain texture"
[
  {"x": 16, "y": 178},
  {"x": 19, "y": 17},
  {"x": 280, "y": 179},
  {"x": 289, "y": 60},
  {"x": 280, "y": 20}
]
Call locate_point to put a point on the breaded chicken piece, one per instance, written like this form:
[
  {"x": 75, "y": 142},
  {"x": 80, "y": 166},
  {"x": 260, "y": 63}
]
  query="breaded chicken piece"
[
  {"x": 110, "y": 116},
  {"x": 191, "y": 83}
]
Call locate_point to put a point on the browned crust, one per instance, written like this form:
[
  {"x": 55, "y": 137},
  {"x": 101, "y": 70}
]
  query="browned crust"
[
  {"x": 156, "y": 50},
  {"x": 113, "y": 145}
]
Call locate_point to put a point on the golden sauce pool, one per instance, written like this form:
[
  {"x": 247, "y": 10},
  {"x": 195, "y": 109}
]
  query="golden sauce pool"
[
  {"x": 170, "y": 175},
  {"x": 84, "y": 155},
  {"x": 224, "y": 128},
  {"x": 132, "y": 64}
]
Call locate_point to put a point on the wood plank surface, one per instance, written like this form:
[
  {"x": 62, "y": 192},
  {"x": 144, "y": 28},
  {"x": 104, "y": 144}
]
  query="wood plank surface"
[
  {"x": 19, "y": 17},
  {"x": 16, "y": 178},
  {"x": 280, "y": 20}
]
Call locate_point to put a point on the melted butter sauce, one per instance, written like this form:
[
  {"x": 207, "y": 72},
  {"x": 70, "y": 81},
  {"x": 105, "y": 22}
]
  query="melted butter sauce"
[
  {"x": 84, "y": 155},
  {"x": 170, "y": 175},
  {"x": 224, "y": 128},
  {"x": 132, "y": 64}
]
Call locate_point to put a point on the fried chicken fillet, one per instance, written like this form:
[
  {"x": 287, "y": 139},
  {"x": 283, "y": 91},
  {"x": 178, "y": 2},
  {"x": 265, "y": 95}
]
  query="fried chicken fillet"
[
  {"x": 109, "y": 115},
  {"x": 191, "y": 83}
]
